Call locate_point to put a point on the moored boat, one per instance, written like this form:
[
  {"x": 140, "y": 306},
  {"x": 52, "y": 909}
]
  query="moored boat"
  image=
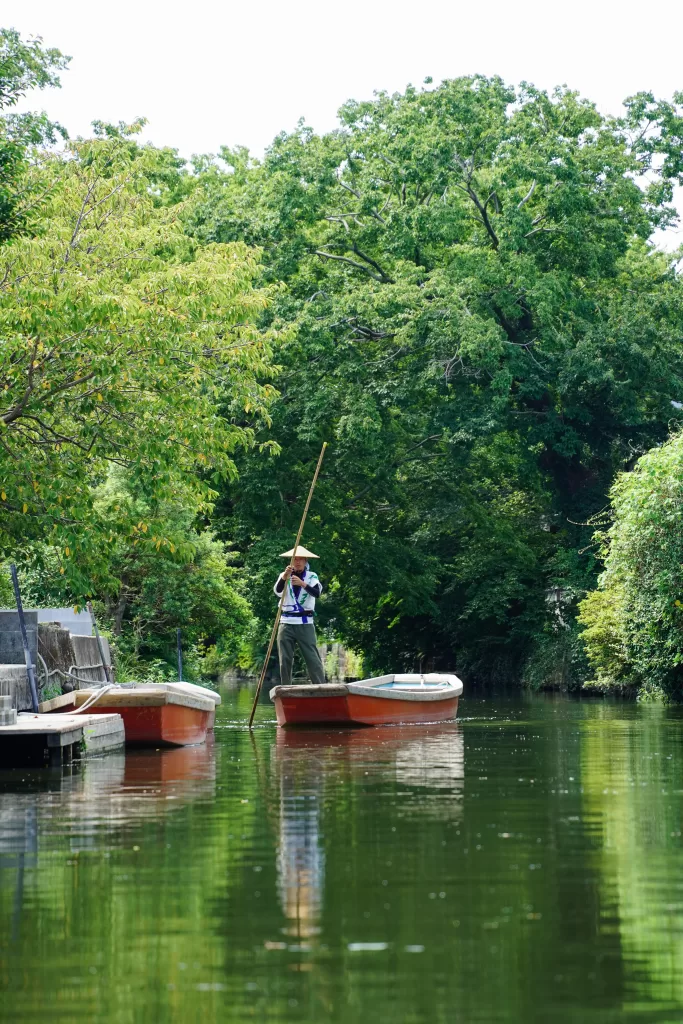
[
  {"x": 382, "y": 700},
  {"x": 155, "y": 714}
]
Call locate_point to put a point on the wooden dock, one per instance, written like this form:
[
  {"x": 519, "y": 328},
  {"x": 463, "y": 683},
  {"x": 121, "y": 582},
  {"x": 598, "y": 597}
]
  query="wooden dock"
[{"x": 58, "y": 739}]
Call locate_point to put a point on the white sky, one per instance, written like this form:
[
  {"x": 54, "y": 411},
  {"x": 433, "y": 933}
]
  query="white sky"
[{"x": 209, "y": 73}]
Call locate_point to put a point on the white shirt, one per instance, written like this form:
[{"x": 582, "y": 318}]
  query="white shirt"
[{"x": 305, "y": 601}]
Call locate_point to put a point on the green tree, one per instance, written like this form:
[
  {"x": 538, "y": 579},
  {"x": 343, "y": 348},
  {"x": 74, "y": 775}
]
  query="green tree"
[
  {"x": 480, "y": 328},
  {"x": 146, "y": 591},
  {"x": 634, "y": 621},
  {"x": 125, "y": 343},
  {"x": 24, "y": 65}
]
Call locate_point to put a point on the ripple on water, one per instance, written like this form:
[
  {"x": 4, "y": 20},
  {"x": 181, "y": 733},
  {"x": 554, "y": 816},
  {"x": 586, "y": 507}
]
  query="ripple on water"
[{"x": 523, "y": 864}]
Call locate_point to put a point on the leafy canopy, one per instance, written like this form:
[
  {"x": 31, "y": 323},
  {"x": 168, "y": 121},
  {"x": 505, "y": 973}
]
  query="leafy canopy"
[
  {"x": 124, "y": 343},
  {"x": 481, "y": 329},
  {"x": 146, "y": 592},
  {"x": 24, "y": 65}
]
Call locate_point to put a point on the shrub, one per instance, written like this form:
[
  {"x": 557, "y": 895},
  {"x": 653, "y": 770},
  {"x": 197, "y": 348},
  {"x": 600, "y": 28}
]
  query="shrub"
[{"x": 633, "y": 623}]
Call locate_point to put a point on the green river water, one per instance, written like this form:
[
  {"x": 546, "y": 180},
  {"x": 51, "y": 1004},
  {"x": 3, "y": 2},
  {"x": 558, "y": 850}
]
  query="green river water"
[{"x": 524, "y": 864}]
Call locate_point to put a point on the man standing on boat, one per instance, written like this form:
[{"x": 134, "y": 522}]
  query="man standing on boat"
[{"x": 296, "y": 624}]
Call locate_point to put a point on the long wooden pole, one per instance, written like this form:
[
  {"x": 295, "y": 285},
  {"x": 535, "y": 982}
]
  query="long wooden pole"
[{"x": 284, "y": 589}]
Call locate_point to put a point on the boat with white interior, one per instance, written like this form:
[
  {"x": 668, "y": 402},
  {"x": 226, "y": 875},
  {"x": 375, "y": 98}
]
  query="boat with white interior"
[{"x": 381, "y": 700}]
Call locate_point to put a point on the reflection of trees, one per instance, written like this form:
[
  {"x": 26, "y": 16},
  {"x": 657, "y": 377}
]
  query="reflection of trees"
[
  {"x": 263, "y": 877},
  {"x": 631, "y": 774},
  {"x": 499, "y": 883},
  {"x": 81, "y": 856}
]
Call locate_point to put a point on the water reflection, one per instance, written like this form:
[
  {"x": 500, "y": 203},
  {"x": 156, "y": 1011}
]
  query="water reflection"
[
  {"x": 352, "y": 875},
  {"x": 427, "y": 762},
  {"x": 633, "y": 795},
  {"x": 300, "y": 856},
  {"x": 94, "y": 797}
]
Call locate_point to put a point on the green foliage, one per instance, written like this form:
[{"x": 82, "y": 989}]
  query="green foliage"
[
  {"x": 480, "y": 328},
  {"x": 634, "y": 621},
  {"x": 460, "y": 295},
  {"x": 601, "y": 615},
  {"x": 557, "y": 658},
  {"x": 147, "y": 591},
  {"x": 651, "y": 693},
  {"x": 6, "y": 591},
  {"x": 23, "y": 66},
  {"x": 126, "y": 344}
]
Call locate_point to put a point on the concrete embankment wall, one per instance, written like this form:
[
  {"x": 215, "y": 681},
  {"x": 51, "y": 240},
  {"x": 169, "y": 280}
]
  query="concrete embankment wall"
[{"x": 54, "y": 652}]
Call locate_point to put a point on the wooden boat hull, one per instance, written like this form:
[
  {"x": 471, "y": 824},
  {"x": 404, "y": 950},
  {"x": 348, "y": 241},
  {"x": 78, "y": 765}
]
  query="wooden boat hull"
[
  {"x": 165, "y": 715},
  {"x": 164, "y": 725},
  {"x": 357, "y": 709}
]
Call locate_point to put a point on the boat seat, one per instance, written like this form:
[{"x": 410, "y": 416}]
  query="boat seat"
[{"x": 311, "y": 690}]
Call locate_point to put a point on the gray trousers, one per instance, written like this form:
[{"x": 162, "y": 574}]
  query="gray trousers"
[{"x": 289, "y": 637}]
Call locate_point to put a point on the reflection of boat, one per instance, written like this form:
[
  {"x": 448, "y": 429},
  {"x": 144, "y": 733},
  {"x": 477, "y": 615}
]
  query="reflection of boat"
[
  {"x": 182, "y": 764},
  {"x": 163, "y": 714},
  {"x": 427, "y": 762},
  {"x": 93, "y": 801},
  {"x": 433, "y": 761},
  {"x": 383, "y": 700},
  {"x": 431, "y": 757}
]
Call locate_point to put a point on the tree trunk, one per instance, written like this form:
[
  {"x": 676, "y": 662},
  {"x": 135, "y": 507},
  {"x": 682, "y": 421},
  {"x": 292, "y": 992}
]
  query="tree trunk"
[{"x": 118, "y": 616}]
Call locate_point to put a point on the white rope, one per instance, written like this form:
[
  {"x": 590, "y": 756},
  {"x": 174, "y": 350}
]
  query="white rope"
[{"x": 92, "y": 699}]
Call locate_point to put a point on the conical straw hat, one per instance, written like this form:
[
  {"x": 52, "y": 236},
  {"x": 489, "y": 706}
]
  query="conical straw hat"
[{"x": 300, "y": 553}]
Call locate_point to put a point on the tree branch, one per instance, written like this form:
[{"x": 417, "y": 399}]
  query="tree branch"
[
  {"x": 528, "y": 196},
  {"x": 394, "y": 465},
  {"x": 373, "y": 263},
  {"x": 536, "y": 231},
  {"x": 348, "y": 188},
  {"x": 352, "y": 263},
  {"x": 484, "y": 215}
]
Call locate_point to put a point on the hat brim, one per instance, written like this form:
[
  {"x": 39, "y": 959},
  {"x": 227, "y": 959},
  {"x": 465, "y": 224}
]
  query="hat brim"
[{"x": 300, "y": 553}]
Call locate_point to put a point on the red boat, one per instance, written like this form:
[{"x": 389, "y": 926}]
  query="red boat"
[
  {"x": 156, "y": 715},
  {"x": 383, "y": 700}
]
